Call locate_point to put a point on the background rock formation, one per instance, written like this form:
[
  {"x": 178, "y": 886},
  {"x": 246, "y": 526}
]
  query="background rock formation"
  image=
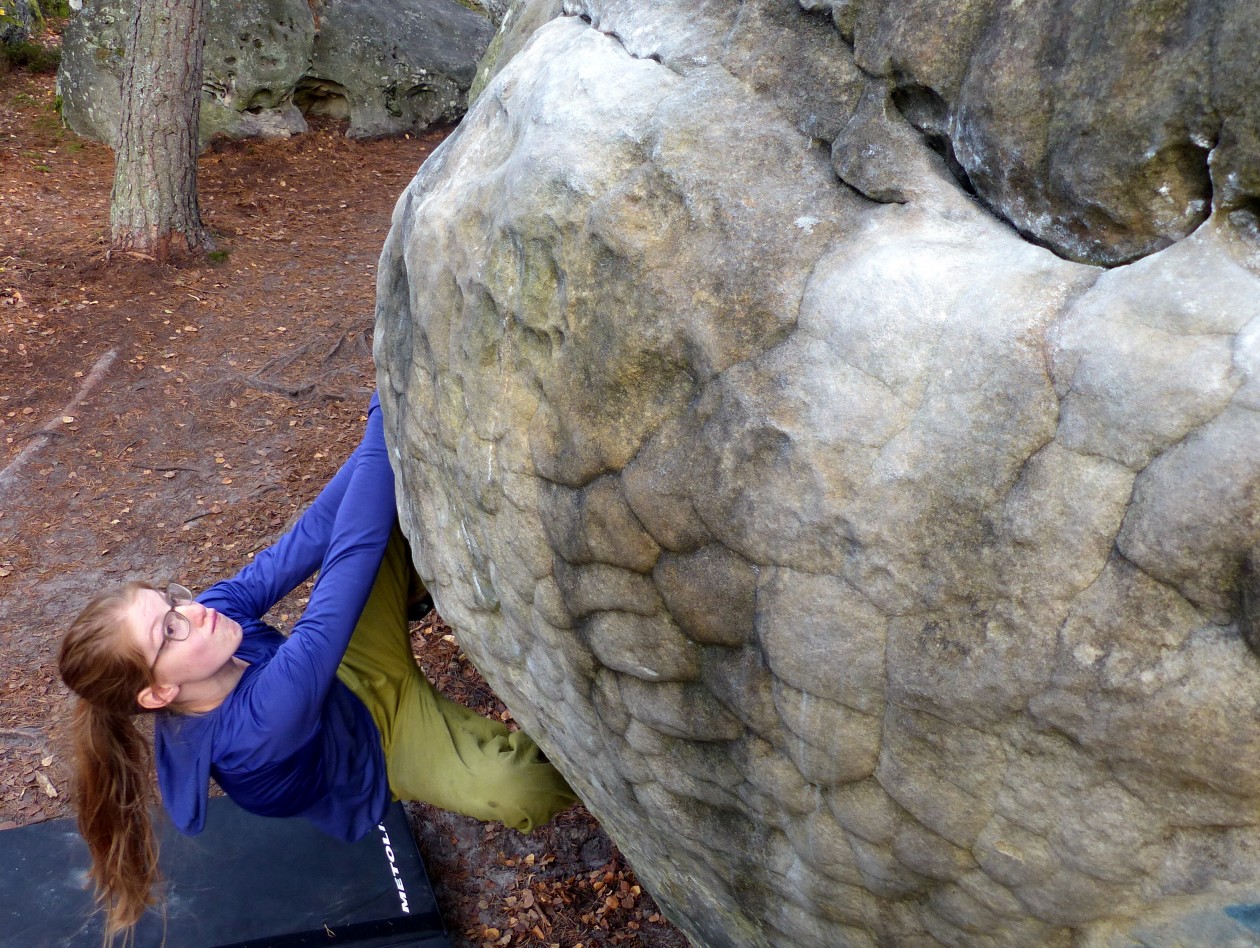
[
  {"x": 386, "y": 67},
  {"x": 850, "y": 473},
  {"x": 492, "y": 8},
  {"x": 16, "y": 20}
]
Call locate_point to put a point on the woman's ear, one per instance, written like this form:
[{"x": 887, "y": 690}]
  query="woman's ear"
[{"x": 156, "y": 697}]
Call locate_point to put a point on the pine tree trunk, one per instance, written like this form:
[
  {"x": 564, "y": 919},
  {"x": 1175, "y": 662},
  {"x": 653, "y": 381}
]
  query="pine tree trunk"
[{"x": 153, "y": 208}]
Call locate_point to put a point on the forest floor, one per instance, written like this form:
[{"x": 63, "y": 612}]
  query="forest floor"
[{"x": 164, "y": 422}]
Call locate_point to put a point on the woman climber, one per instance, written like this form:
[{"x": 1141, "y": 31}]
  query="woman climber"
[{"x": 326, "y": 724}]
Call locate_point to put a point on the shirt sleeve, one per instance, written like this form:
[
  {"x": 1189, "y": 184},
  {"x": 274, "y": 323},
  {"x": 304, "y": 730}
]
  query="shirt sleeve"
[
  {"x": 288, "y": 693},
  {"x": 276, "y": 571}
]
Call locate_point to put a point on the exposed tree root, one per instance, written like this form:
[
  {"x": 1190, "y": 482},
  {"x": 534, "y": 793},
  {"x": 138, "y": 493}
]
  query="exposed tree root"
[{"x": 52, "y": 426}]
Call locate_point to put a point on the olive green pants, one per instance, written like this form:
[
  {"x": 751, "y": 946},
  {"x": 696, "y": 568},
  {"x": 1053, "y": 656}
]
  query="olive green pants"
[{"x": 436, "y": 750}]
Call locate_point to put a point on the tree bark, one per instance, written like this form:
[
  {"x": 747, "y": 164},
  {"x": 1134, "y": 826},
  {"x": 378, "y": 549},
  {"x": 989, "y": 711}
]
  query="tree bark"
[{"x": 153, "y": 207}]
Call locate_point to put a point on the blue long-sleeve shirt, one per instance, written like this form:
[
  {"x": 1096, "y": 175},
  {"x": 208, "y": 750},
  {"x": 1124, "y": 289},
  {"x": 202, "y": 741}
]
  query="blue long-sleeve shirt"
[{"x": 290, "y": 739}]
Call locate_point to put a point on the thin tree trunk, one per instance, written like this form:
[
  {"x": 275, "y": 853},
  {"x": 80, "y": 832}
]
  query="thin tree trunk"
[{"x": 153, "y": 207}]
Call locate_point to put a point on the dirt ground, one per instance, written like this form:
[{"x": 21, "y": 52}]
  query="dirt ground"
[{"x": 161, "y": 422}]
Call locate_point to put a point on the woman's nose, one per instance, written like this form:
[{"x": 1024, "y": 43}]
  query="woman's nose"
[{"x": 194, "y": 611}]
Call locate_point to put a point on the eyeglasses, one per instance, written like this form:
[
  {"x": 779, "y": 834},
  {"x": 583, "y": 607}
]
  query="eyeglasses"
[{"x": 175, "y": 625}]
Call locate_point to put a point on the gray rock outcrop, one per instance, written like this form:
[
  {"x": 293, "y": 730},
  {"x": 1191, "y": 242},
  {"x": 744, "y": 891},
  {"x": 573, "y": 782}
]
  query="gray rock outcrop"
[
  {"x": 879, "y": 560},
  {"x": 403, "y": 65},
  {"x": 255, "y": 53},
  {"x": 16, "y": 20},
  {"x": 386, "y": 68}
]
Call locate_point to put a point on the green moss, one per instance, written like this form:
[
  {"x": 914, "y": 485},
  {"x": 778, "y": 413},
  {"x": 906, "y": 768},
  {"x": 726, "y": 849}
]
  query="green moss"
[{"x": 484, "y": 68}]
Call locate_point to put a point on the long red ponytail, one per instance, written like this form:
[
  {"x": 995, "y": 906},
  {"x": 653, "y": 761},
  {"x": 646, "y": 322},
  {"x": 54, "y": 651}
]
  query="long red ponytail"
[{"x": 113, "y": 758}]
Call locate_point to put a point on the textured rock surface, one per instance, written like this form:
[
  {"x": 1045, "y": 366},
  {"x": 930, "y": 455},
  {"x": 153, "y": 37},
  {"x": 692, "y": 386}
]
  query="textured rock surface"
[
  {"x": 517, "y": 24},
  {"x": 877, "y": 575},
  {"x": 402, "y": 65},
  {"x": 1103, "y": 130},
  {"x": 255, "y": 53},
  {"x": 387, "y": 68},
  {"x": 16, "y": 20},
  {"x": 494, "y": 9}
]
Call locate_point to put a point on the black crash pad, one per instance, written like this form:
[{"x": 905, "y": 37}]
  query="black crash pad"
[{"x": 246, "y": 882}]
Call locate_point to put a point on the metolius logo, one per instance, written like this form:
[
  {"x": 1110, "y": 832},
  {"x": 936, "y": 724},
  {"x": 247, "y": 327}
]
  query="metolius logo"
[{"x": 393, "y": 867}]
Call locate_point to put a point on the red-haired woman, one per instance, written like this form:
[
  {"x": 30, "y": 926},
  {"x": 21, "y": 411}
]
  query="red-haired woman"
[{"x": 327, "y": 724}]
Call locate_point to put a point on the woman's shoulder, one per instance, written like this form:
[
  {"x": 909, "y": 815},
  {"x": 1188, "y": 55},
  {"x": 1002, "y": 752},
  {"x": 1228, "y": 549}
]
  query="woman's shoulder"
[{"x": 259, "y": 641}]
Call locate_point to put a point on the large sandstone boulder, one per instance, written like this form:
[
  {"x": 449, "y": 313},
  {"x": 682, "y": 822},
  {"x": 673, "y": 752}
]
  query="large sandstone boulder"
[
  {"x": 877, "y": 570},
  {"x": 386, "y": 67}
]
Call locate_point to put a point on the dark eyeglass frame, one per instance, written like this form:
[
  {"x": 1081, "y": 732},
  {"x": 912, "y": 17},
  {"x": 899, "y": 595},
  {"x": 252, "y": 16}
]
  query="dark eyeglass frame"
[{"x": 175, "y": 625}]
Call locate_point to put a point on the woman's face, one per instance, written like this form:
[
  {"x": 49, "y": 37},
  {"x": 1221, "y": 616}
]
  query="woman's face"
[{"x": 212, "y": 639}]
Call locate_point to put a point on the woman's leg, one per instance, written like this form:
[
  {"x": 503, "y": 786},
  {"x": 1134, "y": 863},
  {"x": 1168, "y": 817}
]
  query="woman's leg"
[
  {"x": 436, "y": 750},
  {"x": 377, "y": 663},
  {"x": 452, "y": 757}
]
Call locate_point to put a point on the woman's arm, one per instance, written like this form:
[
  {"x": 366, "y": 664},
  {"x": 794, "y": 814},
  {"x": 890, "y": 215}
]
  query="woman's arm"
[
  {"x": 288, "y": 694},
  {"x": 277, "y": 570}
]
